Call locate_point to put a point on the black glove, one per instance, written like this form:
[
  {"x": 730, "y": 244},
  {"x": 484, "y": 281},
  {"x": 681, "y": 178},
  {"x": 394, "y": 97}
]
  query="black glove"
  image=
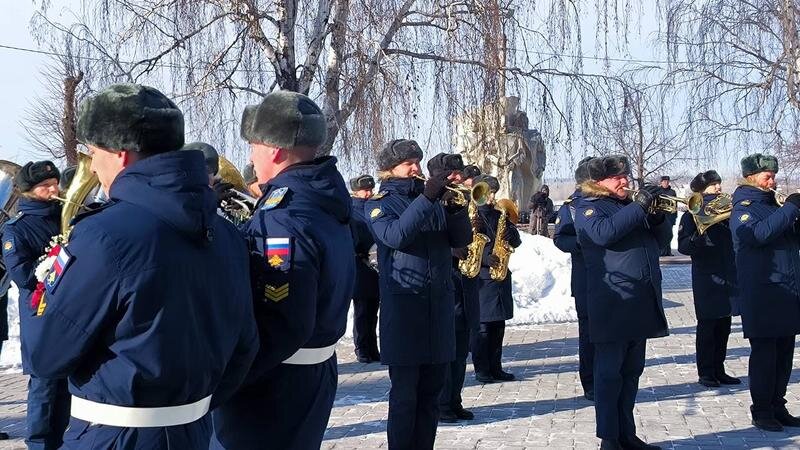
[
  {"x": 490, "y": 260},
  {"x": 646, "y": 196},
  {"x": 793, "y": 199},
  {"x": 436, "y": 186},
  {"x": 223, "y": 190},
  {"x": 509, "y": 232},
  {"x": 460, "y": 253}
]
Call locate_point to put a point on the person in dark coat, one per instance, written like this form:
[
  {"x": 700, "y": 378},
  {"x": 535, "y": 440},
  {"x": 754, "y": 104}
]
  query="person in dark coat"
[
  {"x": 541, "y": 208},
  {"x": 619, "y": 246},
  {"x": 415, "y": 232},
  {"x": 303, "y": 267},
  {"x": 466, "y": 304},
  {"x": 366, "y": 301},
  {"x": 566, "y": 239},
  {"x": 713, "y": 284},
  {"x": 671, "y": 218},
  {"x": 496, "y": 302},
  {"x": 767, "y": 246},
  {"x": 150, "y": 290},
  {"x": 470, "y": 173},
  {"x": 25, "y": 239}
]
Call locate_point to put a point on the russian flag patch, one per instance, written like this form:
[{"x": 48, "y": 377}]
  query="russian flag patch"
[
  {"x": 62, "y": 261},
  {"x": 278, "y": 252}
]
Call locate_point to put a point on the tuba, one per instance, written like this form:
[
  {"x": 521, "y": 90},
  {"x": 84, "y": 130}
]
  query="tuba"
[
  {"x": 502, "y": 249},
  {"x": 9, "y": 196},
  {"x": 83, "y": 183},
  {"x": 240, "y": 207},
  {"x": 471, "y": 266},
  {"x": 713, "y": 212}
]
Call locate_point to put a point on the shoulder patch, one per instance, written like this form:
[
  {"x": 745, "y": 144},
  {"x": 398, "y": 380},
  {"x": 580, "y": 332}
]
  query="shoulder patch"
[
  {"x": 744, "y": 218},
  {"x": 60, "y": 265},
  {"x": 8, "y": 245},
  {"x": 375, "y": 213},
  {"x": 275, "y": 198},
  {"x": 12, "y": 220},
  {"x": 568, "y": 200},
  {"x": 588, "y": 212},
  {"x": 278, "y": 252},
  {"x": 379, "y": 195},
  {"x": 745, "y": 202}
]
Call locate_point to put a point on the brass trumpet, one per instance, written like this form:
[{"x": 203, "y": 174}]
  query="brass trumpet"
[
  {"x": 478, "y": 194},
  {"x": 669, "y": 204},
  {"x": 780, "y": 197}
]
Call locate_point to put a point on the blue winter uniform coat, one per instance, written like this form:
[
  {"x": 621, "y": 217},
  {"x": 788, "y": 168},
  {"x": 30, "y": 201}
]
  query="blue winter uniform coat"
[
  {"x": 467, "y": 302},
  {"x": 621, "y": 251},
  {"x": 566, "y": 239},
  {"x": 765, "y": 239},
  {"x": 713, "y": 268},
  {"x": 414, "y": 238},
  {"x": 152, "y": 305},
  {"x": 25, "y": 238},
  {"x": 496, "y": 301},
  {"x": 363, "y": 241}
]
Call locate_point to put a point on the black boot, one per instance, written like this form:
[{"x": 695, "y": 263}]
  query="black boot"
[
  {"x": 3, "y": 436},
  {"x": 634, "y": 443},
  {"x": 724, "y": 378},
  {"x": 786, "y": 419},
  {"x": 504, "y": 376},
  {"x": 765, "y": 421},
  {"x": 448, "y": 417},
  {"x": 608, "y": 444},
  {"x": 481, "y": 377},
  {"x": 708, "y": 382},
  {"x": 463, "y": 414},
  {"x": 589, "y": 395}
]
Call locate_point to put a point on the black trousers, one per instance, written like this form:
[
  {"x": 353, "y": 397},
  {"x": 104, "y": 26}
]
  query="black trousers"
[
  {"x": 365, "y": 313},
  {"x": 585, "y": 356},
  {"x": 450, "y": 400},
  {"x": 617, "y": 368},
  {"x": 769, "y": 371},
  {"x": 487, "y": 349},
  {"x": 414, "y": 405},
  {"x": 711, "y": 346}
]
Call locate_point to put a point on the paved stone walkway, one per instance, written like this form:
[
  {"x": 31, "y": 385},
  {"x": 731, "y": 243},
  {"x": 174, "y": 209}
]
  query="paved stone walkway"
[{"x": 545, "y": 407}]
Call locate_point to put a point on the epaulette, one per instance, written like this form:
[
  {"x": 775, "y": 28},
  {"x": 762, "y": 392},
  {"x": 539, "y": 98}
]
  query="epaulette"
[
  {"x": 13, "y": 220},
  {"x": 379, "y": 195},
  {"x": 745, "y": 202},
  {"x": 568, "y": 200},
  {"x": 275, "y": 198}
]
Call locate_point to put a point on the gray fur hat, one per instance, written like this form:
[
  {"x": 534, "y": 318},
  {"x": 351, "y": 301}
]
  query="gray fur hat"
[
  {"x": 608, "y": 166},
  {"x": 755, "y": 163},
  {"x": 362, "y": 182},
  {"x": 582, "y": 172},
  {"x": 130, "y": 117},
  {"x": 493, "y": 183},
  {"x": 209, "y": 153},
  {"x": 397, "y": 151},
  {"x": 285, "y": 119}
]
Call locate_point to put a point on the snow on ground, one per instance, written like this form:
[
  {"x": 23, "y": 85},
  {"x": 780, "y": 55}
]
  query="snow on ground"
[{"x": 10, "y": 357}]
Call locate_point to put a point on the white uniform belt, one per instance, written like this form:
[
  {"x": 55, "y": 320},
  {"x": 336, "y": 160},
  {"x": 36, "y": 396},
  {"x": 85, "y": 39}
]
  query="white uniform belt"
[
  {"x": 311, "y": 356},
  {"x": 131, "y": 417}
]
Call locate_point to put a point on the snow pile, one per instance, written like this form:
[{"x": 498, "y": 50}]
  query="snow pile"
[
  {"x": 541, "y": 282},
  {"x": 10, "y": 357}
]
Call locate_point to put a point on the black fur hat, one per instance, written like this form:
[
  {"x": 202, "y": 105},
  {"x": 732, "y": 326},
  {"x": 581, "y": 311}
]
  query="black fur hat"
[
  {"x": 582, "y": 172},
  {"x": 471, "y": 171},
  {"x": 665, "y": 178},
  {"x": 755, "y": 163},
  {"x": 249, "y": 174},
  {"x": 608, "y": 166},
  {"x": 445, "y": 162},
  {"x": 494, "y": 185},
  {"x": 397, "y": 151},
  {"x": 34, "y": 173},
  {"x": 285, "y": 119},
  {"x": 210, "y": 153},
  {"x": 362, "y": 182},
  {"x": 704, "y": 180},
  {"x": 130, "y": 117}
]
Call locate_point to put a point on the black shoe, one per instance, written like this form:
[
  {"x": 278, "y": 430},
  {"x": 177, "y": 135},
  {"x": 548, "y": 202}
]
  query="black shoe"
[
  {"x": 708, "y": 382},
  {"x": 589, "y": 395},
  {"x": 364, "y": 359},
  {"x": 3, "y": 436},
  {"x": 727, "y": 379},
  {"x": 784, "y": 418},
  {"x": 448, "y": 417},
  {"x": 464, "y": 414},
  {"x": 375, "y": 356},
  {"x": 484, "y": 378},
  {"x": 634, "y": 443},
  {"x": 767, "y": 424},
  {"x": 608, "y": 444},
  {"x": 504, "y": 376}
]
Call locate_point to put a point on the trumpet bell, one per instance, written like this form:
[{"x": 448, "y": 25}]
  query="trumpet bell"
[
  {"x": 230, "y": 174},
  {"x": 480, "y": 193}
]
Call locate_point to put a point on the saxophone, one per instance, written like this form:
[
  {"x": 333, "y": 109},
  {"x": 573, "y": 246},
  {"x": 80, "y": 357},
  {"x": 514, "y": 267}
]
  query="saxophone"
[
  {"x": 502, "y": 250},
  {"x": 471, "y": 266}
]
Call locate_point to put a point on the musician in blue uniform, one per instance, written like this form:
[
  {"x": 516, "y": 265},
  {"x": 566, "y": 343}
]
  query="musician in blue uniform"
[
  {"x": 415, "y": 233},
  {"x": 566, "y": 239},
  {"x": 303, "y": 268},
  {"x": 365, "y": 296},
  {"x": 147, "y": 309},
  {"x": 25, "y": 239},
  {"x": 713, "y": 283},
  {"x": 496, "y": 305},
  {"x": 766, "y": 239},
  {"x": 618, "y": 240}
]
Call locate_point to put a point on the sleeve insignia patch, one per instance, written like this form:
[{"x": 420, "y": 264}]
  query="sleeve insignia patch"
[
  {"x": 276, "y": 293},
  {"x": 62, "y": 261},
  {"x": 558, "y": 220},
  {"x": 275, "y": 198},
  {"x": 8, "y": 245},
  {"x": 375, "y": 213},
  {"x": 744, "y": 218},
  {"x": 745, "y": 202},
  {"x": 378, "y": 196},
  {"x": 588, "y": 212},
  {"x": 279, "y": 253}
]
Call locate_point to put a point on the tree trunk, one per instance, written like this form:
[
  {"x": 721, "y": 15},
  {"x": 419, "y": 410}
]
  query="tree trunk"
[{"x": 68, "y": 120}]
